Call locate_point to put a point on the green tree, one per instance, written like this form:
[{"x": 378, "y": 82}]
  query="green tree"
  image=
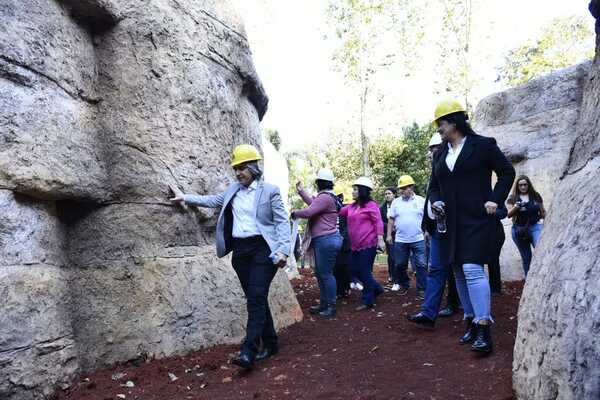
[
  {"x": 563, "y": 42},
  {"x": 454, "y": 47},
  {"x": 392, "y": 157},
  {"x": 365, "y": 29}
]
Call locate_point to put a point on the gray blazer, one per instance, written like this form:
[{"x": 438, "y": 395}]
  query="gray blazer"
[{"x": 271, "y": 217}]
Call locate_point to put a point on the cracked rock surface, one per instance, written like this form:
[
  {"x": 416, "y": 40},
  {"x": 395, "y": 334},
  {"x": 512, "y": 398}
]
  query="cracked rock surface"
[
  {"x": 103, "y": 104},
  {"x": 557, "y": 349},
  {"x": 534, "y": 125}
]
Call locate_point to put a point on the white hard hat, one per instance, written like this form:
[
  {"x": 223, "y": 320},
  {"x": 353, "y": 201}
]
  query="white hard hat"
[
  {"x": 364, "y": 181},
  {"x": 435, "y": 140},
  {"x": 325, "y": 174}
]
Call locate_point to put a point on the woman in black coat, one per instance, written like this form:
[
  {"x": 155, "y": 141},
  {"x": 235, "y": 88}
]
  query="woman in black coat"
[{"x": 462, "y": 179}]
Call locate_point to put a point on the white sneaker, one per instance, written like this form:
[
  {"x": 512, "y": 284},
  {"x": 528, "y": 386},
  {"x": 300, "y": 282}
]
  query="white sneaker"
[
  {"x": 396, "y": 287},
  {"x": 359, "y": 286},
  {"x": 353, "y": 285}
]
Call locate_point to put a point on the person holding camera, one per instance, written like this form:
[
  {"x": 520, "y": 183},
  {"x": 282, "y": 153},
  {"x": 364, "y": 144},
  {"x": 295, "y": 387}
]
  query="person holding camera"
[
  {"x": 365, "y": 229},
  {"x": 526, "y": 208},
  {"x": 461, "y": 179}
]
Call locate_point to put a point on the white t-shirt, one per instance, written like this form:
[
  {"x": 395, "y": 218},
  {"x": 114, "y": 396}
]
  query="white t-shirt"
[{"x": 408, "y": 215}]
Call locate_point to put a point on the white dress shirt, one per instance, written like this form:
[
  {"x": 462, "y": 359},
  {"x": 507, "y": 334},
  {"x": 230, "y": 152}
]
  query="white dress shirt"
[
  {"x": 453, "y": 154},
  {"x": 244, "y": 220}
]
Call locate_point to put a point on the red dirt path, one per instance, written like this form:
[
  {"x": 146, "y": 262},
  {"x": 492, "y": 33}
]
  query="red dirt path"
[{"x": 371, "y": 355}]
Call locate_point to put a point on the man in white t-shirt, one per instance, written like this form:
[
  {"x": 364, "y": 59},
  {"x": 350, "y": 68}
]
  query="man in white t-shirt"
[{"x": 405, "y": 216}]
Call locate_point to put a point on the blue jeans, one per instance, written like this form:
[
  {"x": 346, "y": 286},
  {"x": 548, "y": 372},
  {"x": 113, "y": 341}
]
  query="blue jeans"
[
  {"x": 525, "y": 247},
  {"x": 416, "y": 252},
  {"x": 436, "y": 280},
  {"x": 474, "y": 291},
  {"x": 326, "y": 250},
  {"x": 362, "y": 264}
]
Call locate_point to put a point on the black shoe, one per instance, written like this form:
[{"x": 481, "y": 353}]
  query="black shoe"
[
  {"x": 244, "y": 361},
  {"x": 421, "y": 320},
  {"x": 266, "y": 353},
  {"x": 447, "y": 312},
  {"x": 364, "y": 307},
  {"x": 328, "y": 312},
  {"x": 483, "y": 339},
  {"x": 316, "y": 309},
  {"x": 469, "y": 335}
]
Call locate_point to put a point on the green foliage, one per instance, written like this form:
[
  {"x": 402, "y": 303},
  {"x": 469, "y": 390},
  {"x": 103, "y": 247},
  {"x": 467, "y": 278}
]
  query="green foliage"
[
  {"x": 390, "y": 157},
  {"x": 564, "y": 42},
  {"x": 273, "y": 136}
]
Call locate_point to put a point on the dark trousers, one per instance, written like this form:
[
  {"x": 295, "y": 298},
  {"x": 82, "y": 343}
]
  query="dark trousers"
[
  {"x": 362, "y": 266},
  {"x": 452, "y": 300},
  {"x": 494, "y": 265},
  {"x": 389, "y": 249},
  {"x": 255, "y": 271},
  {"x": 341, "y": 272}
]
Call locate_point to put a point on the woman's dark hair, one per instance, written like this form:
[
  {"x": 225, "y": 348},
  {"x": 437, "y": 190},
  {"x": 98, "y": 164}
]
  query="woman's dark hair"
[
  {"x": 533, "y": 194},
  {"x": 391, "y": 189},
  {"x": 324, "y": 185},
  {"x": 364, "y": 195},
  {"x": 461, "y": 120}
]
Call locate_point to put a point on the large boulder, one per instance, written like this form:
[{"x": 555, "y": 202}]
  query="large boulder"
[
  {"x": 534, "y": 125},
  {"x": 557, "y": 350},
  {"x": 103, "y": 104}
]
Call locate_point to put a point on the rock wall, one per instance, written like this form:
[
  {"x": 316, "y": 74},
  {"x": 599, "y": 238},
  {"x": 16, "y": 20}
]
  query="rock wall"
[
  {"x": 534, "y": 125},
  {"x": 103, "y": 104},
  {"x": 557, "y": 351}
]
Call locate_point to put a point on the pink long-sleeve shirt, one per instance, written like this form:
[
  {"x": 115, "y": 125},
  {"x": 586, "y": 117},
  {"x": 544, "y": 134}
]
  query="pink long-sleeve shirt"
[
  {"x": 364, "y": 225},
  {"x": 321, "y": 213}
]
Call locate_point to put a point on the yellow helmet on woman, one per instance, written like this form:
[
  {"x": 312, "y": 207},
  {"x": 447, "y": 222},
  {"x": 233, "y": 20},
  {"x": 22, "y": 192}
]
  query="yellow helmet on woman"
[
  {"x": 447, "y": 107},
  {"x": 244, "y": 153}
]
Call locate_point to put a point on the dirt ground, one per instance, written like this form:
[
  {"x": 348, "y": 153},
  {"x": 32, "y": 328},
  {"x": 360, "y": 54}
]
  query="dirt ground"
[{"x": 375, "y": 354}]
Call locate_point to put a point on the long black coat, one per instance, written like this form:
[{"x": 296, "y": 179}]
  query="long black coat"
[{"x": 465, "y": 191}]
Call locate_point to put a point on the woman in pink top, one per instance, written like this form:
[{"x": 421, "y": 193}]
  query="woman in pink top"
[{"x": 365, "y": 229}]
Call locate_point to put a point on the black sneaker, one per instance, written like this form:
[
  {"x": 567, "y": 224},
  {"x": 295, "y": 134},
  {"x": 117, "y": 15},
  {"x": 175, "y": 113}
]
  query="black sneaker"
[{"x": 421, "y": 320}]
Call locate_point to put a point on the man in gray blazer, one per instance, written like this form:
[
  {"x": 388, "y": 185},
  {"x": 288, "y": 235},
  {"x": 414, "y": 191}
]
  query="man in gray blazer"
[{"x": 254, "y": 225}]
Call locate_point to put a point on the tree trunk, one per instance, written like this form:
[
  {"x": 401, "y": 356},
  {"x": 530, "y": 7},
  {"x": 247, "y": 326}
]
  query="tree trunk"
[{"x": 364, "y": 141}]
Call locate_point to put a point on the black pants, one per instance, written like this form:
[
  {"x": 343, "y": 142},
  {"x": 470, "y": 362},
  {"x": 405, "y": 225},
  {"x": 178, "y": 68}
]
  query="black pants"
[
  {"x": 341, "y": 272},
  {"x": 494, "y": 265},
  {"x": 389, "y": 249},
  {"x": 255, "y": 270},
  {"x": 452, "y": 300}
]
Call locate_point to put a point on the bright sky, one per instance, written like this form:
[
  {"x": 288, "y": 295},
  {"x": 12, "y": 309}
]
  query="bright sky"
[{"x": 308, "y": 99}]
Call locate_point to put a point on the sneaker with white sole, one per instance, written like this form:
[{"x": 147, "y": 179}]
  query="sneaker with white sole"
[
  {"x": 359, "y": 286},
  {"x": 396, "y": 287},
  {"x": 353, "y": 285}
]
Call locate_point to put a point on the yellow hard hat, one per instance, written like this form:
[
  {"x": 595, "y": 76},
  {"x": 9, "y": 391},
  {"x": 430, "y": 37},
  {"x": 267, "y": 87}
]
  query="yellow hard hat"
[
  {"x": 244, "y": 153},
  {"x": 447, "y": 107},
  {"x": 405, "y": 180}
]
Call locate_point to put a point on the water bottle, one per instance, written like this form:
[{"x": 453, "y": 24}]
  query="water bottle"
[{"x": 440, "y": 218}]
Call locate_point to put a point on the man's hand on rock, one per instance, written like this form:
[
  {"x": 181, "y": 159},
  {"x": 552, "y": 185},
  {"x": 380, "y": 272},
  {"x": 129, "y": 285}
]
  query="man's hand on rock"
[
  {"x": 281, "y": 260},
  {"x": 178, "y": 199}
]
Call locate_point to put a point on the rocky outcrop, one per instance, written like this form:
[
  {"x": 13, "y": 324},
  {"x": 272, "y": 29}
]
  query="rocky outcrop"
[
  {"x": 557, "y": 351},
  {"x": 104, "y": 104},
  {"x": 534, "y": 125}
]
